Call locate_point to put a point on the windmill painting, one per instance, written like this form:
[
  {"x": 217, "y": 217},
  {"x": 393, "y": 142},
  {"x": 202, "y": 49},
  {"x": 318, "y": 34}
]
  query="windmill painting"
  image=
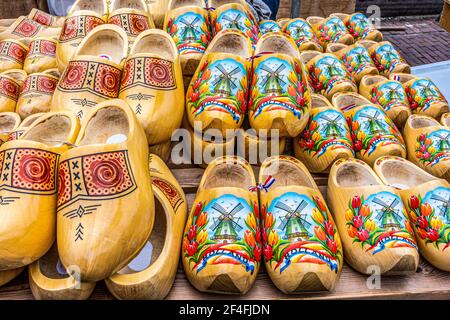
[
  {"x": 269, "y": 26},
  {"x": 441, "y": 140},
  {"x": 273, "y": 76},
  {"x": 387, "y": 52},
  {"x": 372, "y": 121},
  {"x": 225, "y": 75},
  {"x": 233, "y": 19},
  {"x": 439, "y": 199},
  {"x": 299, "y": 29},
  {"x": 388, "y": 210},
  {"x": 331, "y": 67},
  {"x": 332, "y": 124}
]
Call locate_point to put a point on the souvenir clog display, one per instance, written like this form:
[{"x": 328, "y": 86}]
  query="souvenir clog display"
[
  {"x": 389, "y": 94},
  {"x": 330, "y": 30},
  {"x": 427, "y": 200},
  {"x": 45, "y": 18},
  {"x": 373, "y": 133},
  {"x": 28, "y": 121},
  {"x": 27, "y": 29},
  {"x": 49, "y": 280},
  {"x": 445, "y": 119},
  {"x": 41, "y": 55},
  {"x": 423, "y": 95},
  {"x": 266, "y": 26},
  {"x": 29, "y": 191},
  {"x": 93, "y": 74},
  {"x": 428, "y": 145},
  {"x": 386, "y": 58},
  {"x": 302, "y": 248},
  {"x": 10, "y": 87},
  {"x": 372, "y": 220},
  {"x": 152, "y": 272},
  {"x": 359, "y": 26},
  {"x": 187, "y": 22},
  {"x": 255, "y": 149},
  {"x": 105, "y": 208},
  {"x": 327, "y": 74},
  {"x": 221, "y": 244},
  {"x": 12, "y": 54},
  {"x": 9, "y": 121},
  {"x": 280, "y": 97},
  {"x": 9, "y": 275},
  {"x": 303, "y": 34},
  {"x": 326, "y": 138}
]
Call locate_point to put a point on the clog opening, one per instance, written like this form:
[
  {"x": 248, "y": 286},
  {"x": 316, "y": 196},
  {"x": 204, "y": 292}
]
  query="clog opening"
[
  {"x": 278, "y": 44},
  {"x": 341, "y": 16},
  {"x": 16, "y": 74},
  {"x": 403, "y": 77},
  {"x": 7, "y": 123},
  {"x": 403, "y": 174},
  {"x": 355, "y": 175},
  {"x": 307, "y": 56},
  {"x": 423, "y": 122},
  {"x": 50, "y": 265},
  {"x": 104, "y": 43},
  {"x": 228, "y": 174},
  {"x": 314, "y": 20},
  {"x": 53, "y": 72},
  {"x": 128, "y": 4},
  {"x": 28, "y": 121},
  {"x": 347, "y": 99},
  {"x": 368, "y": 81},
  {"x": 287, "y": 173},
  {"x": 446, "y": 120},
  {"x": 233, "y": 43},
  {"x": 367, "y": 43},
  {"x": 335, "y": 47},
  {"x": 52, "y": 131},
  {"x": 183, "y": 3},
  {"x": 157, "y": 43},
  {"x": 319, "y": 101},
  {"x": 92, "y": 5}
]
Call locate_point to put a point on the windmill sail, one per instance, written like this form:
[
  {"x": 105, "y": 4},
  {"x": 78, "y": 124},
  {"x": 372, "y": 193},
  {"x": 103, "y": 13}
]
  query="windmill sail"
[
  {"x": 294, "y": 223},
  {"x": 389, "y": 218}
]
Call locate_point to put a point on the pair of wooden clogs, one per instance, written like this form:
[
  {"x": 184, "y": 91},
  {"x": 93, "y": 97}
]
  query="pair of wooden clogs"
[{"x": 303, "y": 34}]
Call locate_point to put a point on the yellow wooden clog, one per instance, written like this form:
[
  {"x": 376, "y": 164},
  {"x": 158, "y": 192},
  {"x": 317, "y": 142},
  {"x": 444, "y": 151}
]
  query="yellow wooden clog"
[
  {"x": 386, "y": 58},
  {"x": 326, "y": 137},
  {"x": 266, "y": 26},
  {"x": 12, "y": 54},
  {"x": 28, "y": 121},
  {"x": 372, "y": 221},
  {"x": 330, "y": 30},
  {"x": 427, "y": 200},
  {"x": 29, "y": 189},
  {"x": 9, "y": 275},
  {"x": 162, "y": 150},
  {"x": 27, "y": 29},
  {"x": 10, "y": 87},
  {"x": 222, "y": 244},
  {"x": 303, "y": 34},
  {"x": 152, "y": 273},
  {"x": 41, "y": 55},
  {"x": 445, "y": 119},
  {"x": 9, "y": 121},
  {"x": 105, "y": 206},
  {"x": 152, "y": 78},
  {"x": 255, "y": 149},
  {"x": 93, "y": 74},
  {"x": 359, "y": 26},
  {"x": 301, "y": 246},
  {"x": 45, "y": 18}
]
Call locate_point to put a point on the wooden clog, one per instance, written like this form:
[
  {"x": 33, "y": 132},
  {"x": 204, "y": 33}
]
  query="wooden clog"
[
  {"x": 12, "y": 54},
  {"x": 445, "y": 119},
  {"x": 280, "y": 97},
  {"x": 303, "y": 34},
  {"x": 330, "y": 30},
  {"x": 373, "y": 133},
  {"x": 255, "y": 149},
  {"x": 427, "y": 200},
  {"x": 302, "y": 248},
  {"x": 282, "y": 21},
  {"x": 9, "y": 275},
  {"x": 93, "y": 74},
  {"x": 41, "y": 55},
  {"x": 217, "y": 94},
  {"x": 356, "y": 59},
  {"x": 158, "y": 10},
  {"x": 50, "y": 281},
  {"x": 161, "y": 150},
  {"x": 266, "y": 26},
  {"x": 27, "y": 29},
  {"x": 372, "y": 221},
  {"x": 389, "y": 94},
  {"x": 327, "y": 74},
  {"x": 221, "y": 247},
  {"x": 359, "y": 26},
  {"x": 28, "y": 121},
  {"x": 152, "y": 78},
  {"x": 152, "y": 273},
  {"x": 45, "y": 18},
  {"x": 10, "y": 88},
  {"x": 326, "y": 137},
  {"x": 187, "y": 22},
  {"x": 386, "y": 58},
  {"x": 29, "y": 190},
  {"x": 428, "y": 146},
  {"x": 423, "y": 95},
  {"x": 104, "y": 219},
  {"x": 9, "y": 121},
  {"x": 17, "y": 74}
]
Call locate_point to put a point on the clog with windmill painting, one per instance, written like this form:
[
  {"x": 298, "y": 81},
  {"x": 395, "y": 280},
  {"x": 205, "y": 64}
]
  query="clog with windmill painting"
[
  {"x": 105, "y": 208},
  {"x": 10, "y": 87},
  {"x": 330, "y": 30},
  {"x": 389, "y": 94},
  {"x": 221, "y": 243},
  {"x": 152, "y": 78},
  {"x": 26, "y": 29},
  {"x": 372, "y": 221},
  {"x": 428, "y": 145},
  {"x": 217, "y": 94},
  {"x": 187, "y": 22},
  {"x": 28, "y": 121},
  {"x": 45, "y": 18},
  {"x": 327, "y": 74},
  {"x": 360, "y": 27},
  {"x": 423, "y": 95},
  {"x": 12, "y": 54},
  {"x": 41, "y": 55},
  {"x": 93, "y": 74},
  {"x": 373, "y": 133},
  {"x": 302, "y": 248},
  {"x": 83, "y": 16},
  {"x": 386, "y": 58},
  {"x": 9, "y": 121},
  {"x": 266, "y": 26},
  {"x": 29, "y": 188},
  {"x": 427, "y": 200},
  {"x": 152, "y": 272},
  {"x": 445, "y": 119},
  {"x": 326, "y": 137},
  {"x": 303, "y": 34},
  {"x": 280, "y": 97}
]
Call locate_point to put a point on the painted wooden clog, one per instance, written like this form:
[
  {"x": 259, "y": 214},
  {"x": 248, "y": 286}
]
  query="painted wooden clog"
[
  {"x": 217, "y": 94},
  {"x": 104, "y": 219},
  {"x": 49, "y": 280},
  {"x": 373, "y": 133},
  {"x": 12, "y": 54},
  {"x": 428, "y": 145},
  {"x": 27, "y": 122},
  {"x": 389, "y": 94},
  {"x": 45, "y": 18},
  {"x": 303, "y": 34},
  {"x": 326, "y": 137},
  {"x": 359, "y": 26},
  {"x": 152, "y": 78},
  {"x": 29, "y": 188},
  {"x": 386, "y": 58},
  {"x": 221, "y": 248},
  {"x": 41, "y": 55},
  {"x": 423, "y": 95},
  {"x": 9, "y": 275},
  {"x": 372, "y": 220},
  {"x": 9, "y": 121},
  {"x": 327, "y": 74},
  {"x": 445, "y": 119},
  {"x": 93, "y": 74},
  {"x": 18, "y": 75},
  {"x": 10, "y": 88},
  {"x": 256, "y": 148},
  {"x": 280, "y": 97},
  {"x": 158, "y": 10},
  {"x": 266, "y": 26},
  {"x": 151, "y": 274},
  {"x": 27, "y": 29},
  {"x": 330, "y": 30},
  {"x": 187, "y": 22},
  {"x": 302, "y": 248},
  {"x": 427, "y": 200}
]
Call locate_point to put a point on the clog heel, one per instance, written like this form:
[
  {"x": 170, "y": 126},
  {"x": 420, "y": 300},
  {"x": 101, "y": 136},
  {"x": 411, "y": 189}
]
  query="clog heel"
[
  {"x": 427, "y": 199},
  {"x": 267, "y": 26},
  {"x": 26, "y": 29},
  {"x": 303, "y": 34},
  {"x": 45, "y": 18},
  {"x": 151, "y": 274},
  {"x": 359, "y": 26},
  {"x": 152, "y": 78},
  {"x": 12, "y": 54},
  {"x": 445, "y": 119},
  {"x": 330, "y": 30},
  {"x": 302, "y": 248},
  {"x": 373, "y": 133},
  {"x": 105, "y": 206},
  {"x": 41, "y": 55},
  {"x": 28, "y": 121},
  {"x": 10, "y": 87},
  {"x": 9, "y": 275},
  {"x": 9, "y": 121},
  {"x": 29, "y": 188},
  {"x": 428, "y": 145},
  {"x": 93, "y": 74},
  {"x": 221, "y": 247},
  {"x": 372, "y": 221},
  {"x": 386, "y": 58},
  {"x": 326, "y": 137}
]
